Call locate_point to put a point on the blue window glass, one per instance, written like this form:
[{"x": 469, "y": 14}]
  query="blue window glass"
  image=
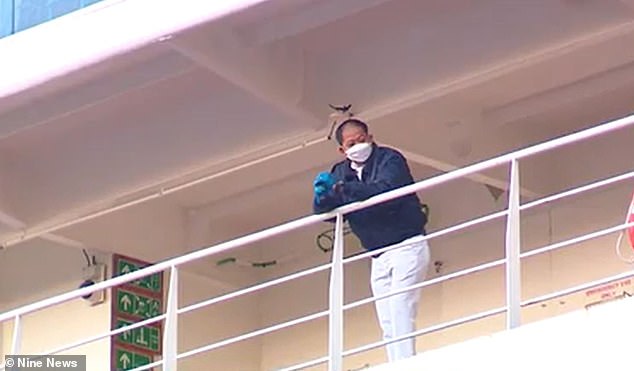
[
  {"x": 29, "y": 13},
  {"x": 6, "y": 17},
  {"x": 18, "y": 15}
]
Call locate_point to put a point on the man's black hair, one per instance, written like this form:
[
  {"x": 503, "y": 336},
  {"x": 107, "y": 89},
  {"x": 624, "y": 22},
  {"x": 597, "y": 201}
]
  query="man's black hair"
[{"x": 351, "y": 121}]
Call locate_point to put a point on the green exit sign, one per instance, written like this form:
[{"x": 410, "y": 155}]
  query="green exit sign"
[
  {"x": 133, "y": 302},
  {"x": 145, "y": 337},
  {"x": 153, "y": 283},
  {"x": 137, "y": 305},
  {"x": 128, "y": 360}
]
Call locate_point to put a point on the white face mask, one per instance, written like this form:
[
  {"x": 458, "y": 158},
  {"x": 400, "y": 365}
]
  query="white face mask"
[{"x": 360, "y": 152}]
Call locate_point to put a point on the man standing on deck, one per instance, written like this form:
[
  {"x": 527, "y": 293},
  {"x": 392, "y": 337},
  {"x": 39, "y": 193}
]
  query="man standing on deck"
[{"x": 369, "y": 170}]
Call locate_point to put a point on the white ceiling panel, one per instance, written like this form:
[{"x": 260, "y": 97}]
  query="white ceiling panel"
[{"x": 451, "y": 82}]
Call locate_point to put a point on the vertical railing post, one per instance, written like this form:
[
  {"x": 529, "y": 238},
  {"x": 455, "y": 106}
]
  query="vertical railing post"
[
  {"x": 14, "y": 17},
  {"x": 170, "y": 333},
  {"x": 513, "y": 265},
  {"x": 335, "y": 335},
  {"x": 17, "y": 335}
]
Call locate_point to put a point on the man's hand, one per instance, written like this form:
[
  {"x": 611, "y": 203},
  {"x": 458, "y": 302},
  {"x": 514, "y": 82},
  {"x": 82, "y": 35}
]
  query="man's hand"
[{"x": 323, "y": 183}]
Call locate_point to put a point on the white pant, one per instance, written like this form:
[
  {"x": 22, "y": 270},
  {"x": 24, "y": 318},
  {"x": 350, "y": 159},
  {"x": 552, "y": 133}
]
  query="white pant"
[{"x": 393, "y": 270}]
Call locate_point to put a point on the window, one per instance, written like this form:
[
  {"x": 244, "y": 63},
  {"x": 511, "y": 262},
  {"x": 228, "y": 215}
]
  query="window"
[{"x": 18, "y": 15}]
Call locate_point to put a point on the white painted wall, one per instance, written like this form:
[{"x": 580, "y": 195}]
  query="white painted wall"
[
  {"x": 5, "y": 205},
  {"x": 38, "y": 270},
  {"x": 3, "y": 172},
  {"x": 63, "y": 324},
  {"x": 216, "y": 323},
  {"x": 150, "y": 232}
]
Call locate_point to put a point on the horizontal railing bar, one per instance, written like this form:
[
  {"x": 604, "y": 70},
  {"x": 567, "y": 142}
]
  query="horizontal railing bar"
[
  {"x": 430, "y": 329},
  {"x": 581, "y": 287},
  {"x": 429, "y": 236},
  {"x": 395, "y": 292},
  {"x": 358, "y": 303},
  {"x": 462, "y": 320},
  {"x": 325, "y": 313},
  {"x": 424, "y": 331},
  {"x": 524, "y": 303},
  {"x": 578, "y": 190},
  {"x": 102, "y": 336},
  {"x": 155, "y": 268},
  {"x": 264, "y": 285},
  {"x": 445, "y": 278},
  {"x": 372, "y": 299},
  {"x": 299, "y": 223},
  {"x": 576, "y": 240},
  {"x": 488, "y": 265},
  {"x": 148, "y": 366},
  {"x": 114, "y": 332},
  {"x": 253, "y": 334},
  {"x": 487, "y": 164},
  {"x": 290, "y": 226},
  {"x": 500, "y": 214},
  {"x": 304, "y": 365},
  {"x": 426, "y": 283},
  {"x": 471, "y": 318}
]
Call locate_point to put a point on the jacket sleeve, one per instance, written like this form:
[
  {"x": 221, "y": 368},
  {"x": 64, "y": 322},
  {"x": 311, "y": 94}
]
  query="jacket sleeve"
[
  {"x": 332, "y": 199},
  {"x": 392, "y": 173},
  {"x": 326, "y": 203}
]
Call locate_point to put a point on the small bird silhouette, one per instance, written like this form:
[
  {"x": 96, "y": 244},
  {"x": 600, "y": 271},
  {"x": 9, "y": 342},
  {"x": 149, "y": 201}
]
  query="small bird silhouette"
[{"x": 341, "y": 111}]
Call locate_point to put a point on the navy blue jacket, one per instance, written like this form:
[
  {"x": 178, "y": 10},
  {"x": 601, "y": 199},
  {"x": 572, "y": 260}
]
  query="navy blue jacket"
[{"x": 386, "y": 223}]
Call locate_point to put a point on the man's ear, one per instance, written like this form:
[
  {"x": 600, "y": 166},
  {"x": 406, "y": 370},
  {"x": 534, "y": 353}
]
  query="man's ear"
[
  {"x": 370, "y": 138},
  {"x": 341, "y": 150}
]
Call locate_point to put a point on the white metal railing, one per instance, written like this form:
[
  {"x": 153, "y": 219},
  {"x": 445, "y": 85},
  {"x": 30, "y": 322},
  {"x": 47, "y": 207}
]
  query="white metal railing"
[{"x": 336, "y": 266}]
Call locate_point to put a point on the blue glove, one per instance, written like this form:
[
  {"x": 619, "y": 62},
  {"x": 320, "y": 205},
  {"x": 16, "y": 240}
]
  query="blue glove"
[{"x": 323, "y": 183}]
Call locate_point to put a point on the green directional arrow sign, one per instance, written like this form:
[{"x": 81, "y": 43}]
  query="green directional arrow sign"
[
  {"x": 152, "y": 282},
  {"x": 145, "y": 337},
  {"x": 138, "y": 305},
  {"x": 133, "y": 302},
  {"x": 127, "y": 360}
]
